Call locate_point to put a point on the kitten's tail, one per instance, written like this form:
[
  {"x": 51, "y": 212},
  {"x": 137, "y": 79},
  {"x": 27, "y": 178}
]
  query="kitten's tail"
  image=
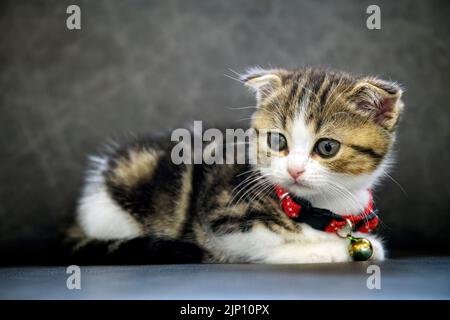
[
  {"x": 64, "y": 250},
  {"x": 140, "y": 250}
]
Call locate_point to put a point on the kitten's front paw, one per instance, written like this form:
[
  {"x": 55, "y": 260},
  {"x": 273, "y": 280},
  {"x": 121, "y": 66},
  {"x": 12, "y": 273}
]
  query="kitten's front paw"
[
  {"x": 326, "y": 252},
  {"x": 378, "y": 249}
]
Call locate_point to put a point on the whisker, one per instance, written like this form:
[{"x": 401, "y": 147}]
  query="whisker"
[
  {"x": 252, "y": 188},
  {"x": 260, "y": 193},
  {"x": 233, "y": 78},
  {"x": 396, "y": 182},
  {"x": 244, "y": 186},
  {"x": 242, "y": 108},
  {"x": 235, "y": 72},
  {"x": 244, "y": 119},
  {"x": 251, "y": 176},
  {"x": 251, "y": 170}
]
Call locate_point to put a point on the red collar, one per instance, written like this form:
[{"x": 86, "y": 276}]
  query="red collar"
[{"x": 301, "y": 210}]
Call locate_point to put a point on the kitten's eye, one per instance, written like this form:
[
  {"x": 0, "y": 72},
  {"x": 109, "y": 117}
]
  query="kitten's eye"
[
  {"x": 276, "y": 141},
  {"x": 327, "y": 148}
]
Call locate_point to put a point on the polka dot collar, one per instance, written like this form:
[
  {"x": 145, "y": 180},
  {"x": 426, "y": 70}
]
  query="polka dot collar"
[{"x": 301, "y": 210}]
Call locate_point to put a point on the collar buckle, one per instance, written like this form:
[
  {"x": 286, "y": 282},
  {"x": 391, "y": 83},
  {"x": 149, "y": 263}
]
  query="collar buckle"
[{"x": 349, "y": 226}]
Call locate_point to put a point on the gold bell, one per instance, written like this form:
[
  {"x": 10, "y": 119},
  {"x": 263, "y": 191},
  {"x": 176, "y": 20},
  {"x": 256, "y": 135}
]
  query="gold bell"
[{"x": 360, "y": 249}]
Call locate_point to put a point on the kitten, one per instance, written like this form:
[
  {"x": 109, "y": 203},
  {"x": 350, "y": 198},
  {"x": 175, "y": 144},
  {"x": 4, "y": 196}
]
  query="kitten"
[{"x": 329, "y": 141}]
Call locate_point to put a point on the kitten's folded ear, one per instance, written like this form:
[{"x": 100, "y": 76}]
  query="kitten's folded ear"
[
  {"x": 263, "y": 82},
  {"x": 380, "y": 99}
]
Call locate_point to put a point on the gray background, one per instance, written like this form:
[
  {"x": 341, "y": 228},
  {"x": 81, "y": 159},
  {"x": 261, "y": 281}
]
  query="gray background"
[{"x": 138, "y": 66}]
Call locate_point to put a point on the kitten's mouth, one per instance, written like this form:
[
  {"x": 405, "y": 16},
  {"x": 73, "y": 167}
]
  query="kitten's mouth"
[{"x": 300, "y": 184}]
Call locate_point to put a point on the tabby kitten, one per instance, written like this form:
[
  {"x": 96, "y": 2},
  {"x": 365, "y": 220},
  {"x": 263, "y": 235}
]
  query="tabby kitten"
[{"x": 329, "y": 141}]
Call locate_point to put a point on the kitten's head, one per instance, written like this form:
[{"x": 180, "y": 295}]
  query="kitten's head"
[{"x": 328, "y": 133}]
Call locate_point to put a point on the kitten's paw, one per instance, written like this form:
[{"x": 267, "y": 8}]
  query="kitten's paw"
[
  {"x": 339, "y": 251},
  {"x": 378, "y": 249},
  {"x": 318, "y": 258},
  {"x": 321, "y": 252}
]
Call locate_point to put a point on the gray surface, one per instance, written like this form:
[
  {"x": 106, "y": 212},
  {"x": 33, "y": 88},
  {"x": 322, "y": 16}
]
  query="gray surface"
[
  {"x": 400, "y": 279},
  {"x": 145, "y": 65}
]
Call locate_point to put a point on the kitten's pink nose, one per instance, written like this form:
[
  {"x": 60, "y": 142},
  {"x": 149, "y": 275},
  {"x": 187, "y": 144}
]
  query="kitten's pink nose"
[{"x": 295, "y": 172}]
